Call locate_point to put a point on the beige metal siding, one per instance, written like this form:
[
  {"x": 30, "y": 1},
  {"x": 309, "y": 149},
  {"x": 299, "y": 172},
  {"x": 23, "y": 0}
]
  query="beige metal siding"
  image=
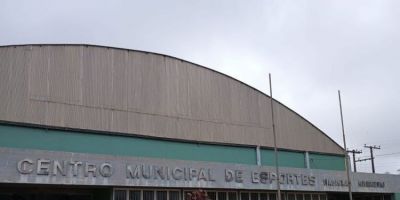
[{"x": 116, "y": 90}]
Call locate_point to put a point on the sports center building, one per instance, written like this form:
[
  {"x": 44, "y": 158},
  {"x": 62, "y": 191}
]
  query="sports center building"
[{"x": 89, "y": 122}]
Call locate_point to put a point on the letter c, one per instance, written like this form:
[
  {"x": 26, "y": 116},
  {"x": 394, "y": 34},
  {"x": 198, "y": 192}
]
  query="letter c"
[
  {"x": 177, "y": 173},
  {"x": 24, "y": 166}
]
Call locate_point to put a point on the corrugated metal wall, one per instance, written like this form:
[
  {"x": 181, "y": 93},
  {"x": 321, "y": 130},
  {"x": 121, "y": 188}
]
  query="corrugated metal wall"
[{"x": 118, "y": 90}]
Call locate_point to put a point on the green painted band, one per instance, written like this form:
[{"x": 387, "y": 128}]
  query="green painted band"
[
  {"x": 57, "y": 140},
  {"x": 75, "y": 141}
]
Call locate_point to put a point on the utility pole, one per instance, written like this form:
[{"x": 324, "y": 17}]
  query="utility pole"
[
  {"x": 354, "y": 152},
  {"x": 371, "y": 150}
]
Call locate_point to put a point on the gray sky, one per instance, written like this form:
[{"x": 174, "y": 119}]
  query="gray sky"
[{"x": 311, "y": 47}]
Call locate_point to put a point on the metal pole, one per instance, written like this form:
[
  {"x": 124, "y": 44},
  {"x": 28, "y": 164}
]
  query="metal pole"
[
  {"x": 278, "y": 184},
  {"x": 345, "y": 148}
]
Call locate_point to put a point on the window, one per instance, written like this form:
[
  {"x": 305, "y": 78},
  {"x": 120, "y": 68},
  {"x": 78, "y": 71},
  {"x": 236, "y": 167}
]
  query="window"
[
  {"x": 244, "y": 196},
  {"x": 272, "y": 196},
  {"x": 315, "y": 197},
  {"x": 291, "y": 196},
  {"x": 263, "y": 196},
  {"x": 221, "y": 195},
  {"x": 232, "y": 196},
  {"x": 148, "y": 195},
  {"x": 161, "y": 195},
  {"x": 299, "y": 197},
  {"x": 254, "y": 196},
  {"x": 126, "y": 194},
  {"x": 173, "y": 195},
  {"x": 134, "y": 195},
  {"x": 120, "y": 195}
]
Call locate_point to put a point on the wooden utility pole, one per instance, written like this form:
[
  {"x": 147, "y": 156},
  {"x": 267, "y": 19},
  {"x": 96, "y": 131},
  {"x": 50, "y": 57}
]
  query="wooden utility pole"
[
  {"x": 371, "y": 150},
  {"x": 354, "y": 152}
]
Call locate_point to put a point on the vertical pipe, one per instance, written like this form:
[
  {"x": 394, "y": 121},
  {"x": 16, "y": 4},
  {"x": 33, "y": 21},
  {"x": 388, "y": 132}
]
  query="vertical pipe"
[
  {"x": 258, "y": 152},
  {"x": 345, "y": 148},
  {"x": 278, "y": 184},
  {"x": 307, "y": 160}
]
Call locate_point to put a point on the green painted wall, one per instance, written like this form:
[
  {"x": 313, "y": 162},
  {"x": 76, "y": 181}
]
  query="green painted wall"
[
  {"x": 286, "y": 158},
  {"x": 327, "y": 162},
  {"x": 397, "y": 196},
  {"x": 35, "y": 138},
  {"x": 69, "y": 141}
]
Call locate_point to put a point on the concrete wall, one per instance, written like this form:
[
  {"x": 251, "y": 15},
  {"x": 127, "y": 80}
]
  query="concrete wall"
[{"x": 117, "y": 90}]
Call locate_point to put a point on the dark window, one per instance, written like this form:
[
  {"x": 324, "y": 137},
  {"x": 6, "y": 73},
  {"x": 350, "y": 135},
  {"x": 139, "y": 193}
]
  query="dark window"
[
  {"x": 221, "y": 195},
  {"x": 307, "y": 196},
  {"x": 315, "y": 197},
  {"x": 299, "y": 197},
  {"x": 161, "y": 195},
  {"x": 232, "y": 196},
  {"x": 272, "y": 196},
  {"x": 134, "y": 195},
  {"x": 174, "y": 195},
  {"x": 322, "y": 197},
  {"x": 291, "y": 197},
  {"x": 263, "y": 196},
  {"x": 254, "y": 196},
  {"x": 148, "y": 195},
  {"x": 244, "y": 196},
  {"x": 120, "y": 195}
]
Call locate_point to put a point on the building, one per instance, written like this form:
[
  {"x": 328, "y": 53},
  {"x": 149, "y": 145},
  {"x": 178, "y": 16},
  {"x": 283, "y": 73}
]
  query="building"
[{"x": 90, "y": 122}]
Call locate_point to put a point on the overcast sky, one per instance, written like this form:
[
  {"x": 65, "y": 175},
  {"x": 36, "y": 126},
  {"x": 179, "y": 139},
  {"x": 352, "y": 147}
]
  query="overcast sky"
[{"x": 311, "y": 47}]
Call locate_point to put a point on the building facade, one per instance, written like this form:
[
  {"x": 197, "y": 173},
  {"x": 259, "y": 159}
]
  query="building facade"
[{"x": 90, "y": 122}]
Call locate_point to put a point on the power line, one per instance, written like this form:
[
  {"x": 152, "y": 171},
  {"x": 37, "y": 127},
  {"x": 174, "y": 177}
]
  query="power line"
[
  {"x": 387, "y": 154},
  {"x": 387, "y": 140},
  {"x": 382, "y": 155}
]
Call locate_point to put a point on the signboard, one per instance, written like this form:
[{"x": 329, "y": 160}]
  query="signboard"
[{"x": 47, "y": 167}]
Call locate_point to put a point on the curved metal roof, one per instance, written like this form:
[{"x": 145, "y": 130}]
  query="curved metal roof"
[{"x": 217, "y": 123}]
